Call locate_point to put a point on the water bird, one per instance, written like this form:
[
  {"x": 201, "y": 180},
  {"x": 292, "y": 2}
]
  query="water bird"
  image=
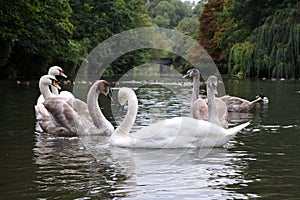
[
  {"x": 18, "y": 82},
  {"x": 211, "y": 109},
  {"x": 177, "y": 132},
  {"x": 70, "y": 116},
  {"x": 237, "y": 104},
  {"x": 56, "y": 71}
]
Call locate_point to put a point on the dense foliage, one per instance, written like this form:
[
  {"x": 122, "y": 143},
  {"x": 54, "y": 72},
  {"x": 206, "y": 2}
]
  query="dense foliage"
[
  {"x": 272, "y": 49},
  {"x": 36, "y": 34},
  {"x": 247, "y": 38},
  {"x": 253, "y": 38}
]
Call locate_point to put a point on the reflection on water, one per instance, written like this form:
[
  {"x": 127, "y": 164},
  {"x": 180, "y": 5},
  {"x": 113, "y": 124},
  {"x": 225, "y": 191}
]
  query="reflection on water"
[
  {"x": 177, "y": 173},
  {"x": 64, "y": 166},
  {"x": 260, "y": 162}
]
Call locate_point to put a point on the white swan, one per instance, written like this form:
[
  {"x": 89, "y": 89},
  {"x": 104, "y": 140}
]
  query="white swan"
[
  {"x": 67, "y": 121},
  {"x": 178, "y": 132},
  {"x": 39, "y": 107},
  {"x": 43, "y": 117},
  {"x": 56, "y": 71},
  {"x": 211, "y": 109}
]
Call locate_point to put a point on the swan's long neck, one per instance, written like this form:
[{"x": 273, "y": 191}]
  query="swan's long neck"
[
  {"x": 54, "y": 90},
  {"x": 195, "y": 94},
  {"x": 252, "y": 103},
  {"x": 93, "y": 106},
  {"x": 45, "y": 91},
  {"x": 127, "y": 123},
  {"x": 212, "y": 108}
]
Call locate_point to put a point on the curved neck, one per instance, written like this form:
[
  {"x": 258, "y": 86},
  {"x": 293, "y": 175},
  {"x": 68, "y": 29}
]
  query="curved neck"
[
  {"x": 54, "y": 90},
  {"x": 196, "y": 85},
  {"x": 252, "y": 103},
  {"x": 127, "y": 123},
  {"x": 195, "y": 94},
  {"x": 93, "y": 107},
  {"x": 44, "y": 89},
  {"x": 212, "y": 108}
]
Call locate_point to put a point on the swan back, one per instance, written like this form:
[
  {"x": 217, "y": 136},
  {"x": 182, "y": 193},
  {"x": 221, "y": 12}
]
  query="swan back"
[
  {"x": 181, "y": 132},
  {"x": 63, "y": 113}
]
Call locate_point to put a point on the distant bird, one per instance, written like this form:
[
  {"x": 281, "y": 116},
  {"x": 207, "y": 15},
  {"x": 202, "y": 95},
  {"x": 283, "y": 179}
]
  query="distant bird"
[
  {"x": 237, "y": 104},
  {"x": 27, "y": 83}
]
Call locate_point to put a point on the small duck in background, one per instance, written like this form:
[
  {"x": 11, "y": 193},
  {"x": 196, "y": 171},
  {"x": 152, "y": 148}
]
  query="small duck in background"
[
  {"x": 26, "y": 83},
  {"x": 264, "y": 98}
]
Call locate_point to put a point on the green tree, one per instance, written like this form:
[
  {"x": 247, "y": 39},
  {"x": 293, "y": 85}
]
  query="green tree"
[
  {"x": 36, "y": 34},
  {"x": 168, "y": 13},
  {"x": 101, "y": 19},
  {"x": 274, "y": 51},
  {"x": 189, "y": 26}
]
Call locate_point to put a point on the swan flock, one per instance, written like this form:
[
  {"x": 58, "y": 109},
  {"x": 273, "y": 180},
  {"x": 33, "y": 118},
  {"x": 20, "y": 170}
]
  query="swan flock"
[{"x": 62, "y": 114}]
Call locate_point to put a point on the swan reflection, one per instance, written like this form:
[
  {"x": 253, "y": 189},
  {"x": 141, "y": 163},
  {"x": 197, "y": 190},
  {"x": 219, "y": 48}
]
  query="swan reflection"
[{"x": 179, "y": 173}]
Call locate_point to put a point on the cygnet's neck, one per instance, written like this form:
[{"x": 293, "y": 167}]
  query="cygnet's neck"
[
  {"x": 252, "y": 103},
  {"x": 196, "y": 85},
  {"x": 127, "y": 123},
  {"x": 212, "y": 108},
  {"x": 93, "y": 107},
  {"x": 195, "y": 94}
]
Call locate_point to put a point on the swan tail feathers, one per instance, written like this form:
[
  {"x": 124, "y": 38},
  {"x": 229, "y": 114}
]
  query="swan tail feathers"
[{"x": 236, "y": 129}]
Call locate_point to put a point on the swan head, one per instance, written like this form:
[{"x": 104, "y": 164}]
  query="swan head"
[
  {"x": 104, "y": 88},
  {"x": 212, "y": 84},
  {"x": 192, "y": 73},
  {"x": 124, "y": 94},
  {"x": 57, "y": 71},
  {"x": 49, "y": 80}
]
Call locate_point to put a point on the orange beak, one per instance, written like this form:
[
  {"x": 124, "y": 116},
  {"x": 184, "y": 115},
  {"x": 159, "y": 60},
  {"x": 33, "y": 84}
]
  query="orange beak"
[
  {"x": 55, "y": 84},
  {"x": 63, "y": 74}
]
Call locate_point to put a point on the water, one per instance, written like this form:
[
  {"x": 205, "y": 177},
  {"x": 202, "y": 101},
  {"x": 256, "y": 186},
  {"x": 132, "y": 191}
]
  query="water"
[{"x": 260, "y": 162}]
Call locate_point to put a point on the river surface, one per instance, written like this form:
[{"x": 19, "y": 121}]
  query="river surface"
[{"x": 261, "y": 162}]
